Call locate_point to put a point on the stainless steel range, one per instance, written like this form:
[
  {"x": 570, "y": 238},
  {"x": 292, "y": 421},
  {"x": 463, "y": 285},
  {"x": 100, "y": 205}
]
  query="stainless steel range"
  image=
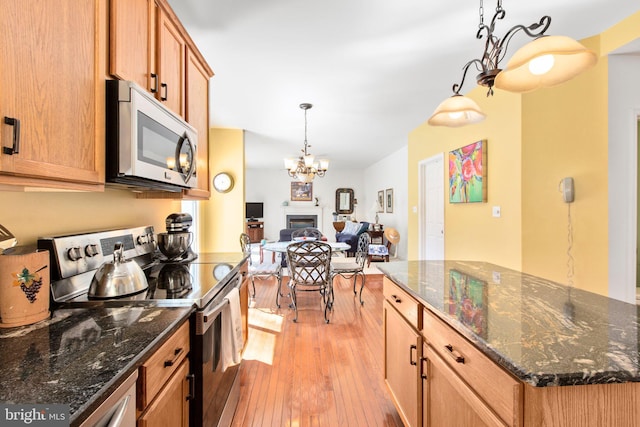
[{"x": 203, "y": 281}]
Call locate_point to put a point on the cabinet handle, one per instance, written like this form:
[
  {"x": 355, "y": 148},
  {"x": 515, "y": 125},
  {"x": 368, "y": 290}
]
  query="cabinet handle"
[
  {"x": 166, "y": 92},
  {"x": 454, "y": 353},
  {"x": 396, "y": 299},
  {"x": 154, "y": 76},
  {"x": 192, "y": 387},
  {"x": 176, "y": 353},
  {"x": 423, "y": 368},
  {"x": 413, "y": 347},
  {"x": 16, "y": 136}
]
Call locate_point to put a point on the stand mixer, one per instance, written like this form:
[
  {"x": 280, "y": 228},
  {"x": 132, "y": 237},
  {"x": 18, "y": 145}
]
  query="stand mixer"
[{"x": 175, "y": 244}]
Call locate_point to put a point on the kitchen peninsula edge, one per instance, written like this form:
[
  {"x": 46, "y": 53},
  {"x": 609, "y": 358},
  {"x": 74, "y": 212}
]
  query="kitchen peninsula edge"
[{"x": 573, "y": 352}]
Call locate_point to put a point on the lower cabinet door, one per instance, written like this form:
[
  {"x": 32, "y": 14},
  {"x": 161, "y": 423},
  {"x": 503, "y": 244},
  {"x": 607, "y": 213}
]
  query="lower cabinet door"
[
  {"x": 170, "y": 408},
  {"x": 448, "y": 401},
  {"x": 401, "y": 364}
]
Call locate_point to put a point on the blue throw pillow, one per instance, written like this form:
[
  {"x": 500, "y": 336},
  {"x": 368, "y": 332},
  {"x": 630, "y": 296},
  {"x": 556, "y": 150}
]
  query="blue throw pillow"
[{"x": 364, "y": 226}]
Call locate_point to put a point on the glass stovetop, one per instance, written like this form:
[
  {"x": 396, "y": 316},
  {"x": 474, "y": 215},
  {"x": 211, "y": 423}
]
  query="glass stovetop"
[{"x": 178, "y": 284}]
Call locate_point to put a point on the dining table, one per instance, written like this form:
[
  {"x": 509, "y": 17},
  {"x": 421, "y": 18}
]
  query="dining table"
[{"x": 281, "y": 247}]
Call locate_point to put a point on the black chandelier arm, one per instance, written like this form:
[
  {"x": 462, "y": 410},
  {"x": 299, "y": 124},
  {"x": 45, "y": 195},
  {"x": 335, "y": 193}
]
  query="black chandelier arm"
[
  {"x": 457, "y": 87},
  {"x": 489, "y": 29},
  {"x": 534, "y": 30}
]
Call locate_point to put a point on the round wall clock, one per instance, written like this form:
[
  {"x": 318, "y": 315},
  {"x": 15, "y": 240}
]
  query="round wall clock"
[{"x": 223, "y": 182}]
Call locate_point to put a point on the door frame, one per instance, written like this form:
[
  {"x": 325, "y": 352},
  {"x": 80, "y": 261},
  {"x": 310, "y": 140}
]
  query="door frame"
[{"x": 422, "y": 197}]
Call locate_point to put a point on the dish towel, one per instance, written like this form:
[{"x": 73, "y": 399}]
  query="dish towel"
[{"x": 231, "y": 331}]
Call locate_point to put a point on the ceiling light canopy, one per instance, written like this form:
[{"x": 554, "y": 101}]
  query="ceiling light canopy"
[
  {"x": 305, "y": 168},
  {"x": 544, "y": 62}
]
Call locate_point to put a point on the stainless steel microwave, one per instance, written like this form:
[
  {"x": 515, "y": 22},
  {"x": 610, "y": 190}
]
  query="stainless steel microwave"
[{"x": 148, "y": 146}]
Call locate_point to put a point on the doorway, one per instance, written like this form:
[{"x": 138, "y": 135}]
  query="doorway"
[{"x": 431, "y": 208}]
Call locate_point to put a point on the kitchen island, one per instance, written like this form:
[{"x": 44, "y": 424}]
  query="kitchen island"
[
  {"x": 80, "y": 356},
  {"x": 571, "y": 356}
]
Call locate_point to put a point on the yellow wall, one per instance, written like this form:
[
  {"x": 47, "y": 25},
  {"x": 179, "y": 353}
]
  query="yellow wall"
[
  {"x": 471, "y": 232},
  {"x": 222, "y": 216},
  {"x": 31, "y": 215},
  {"x": 565, "y": 134}
]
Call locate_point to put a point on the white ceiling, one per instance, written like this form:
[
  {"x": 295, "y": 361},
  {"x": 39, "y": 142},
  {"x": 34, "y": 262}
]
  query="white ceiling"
[{"x": 373, "y": 69}]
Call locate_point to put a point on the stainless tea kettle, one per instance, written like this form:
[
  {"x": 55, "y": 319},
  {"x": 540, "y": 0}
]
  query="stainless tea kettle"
[{"x": 118, "y": 278}]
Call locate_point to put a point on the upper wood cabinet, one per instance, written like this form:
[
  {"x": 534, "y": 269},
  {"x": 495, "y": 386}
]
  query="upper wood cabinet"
[
  {"x": 132, "y": 41},
  {"x": 197, "y": 114},
  {"x": 52, "y": 93},
  {"x": 170, "y": 60}
]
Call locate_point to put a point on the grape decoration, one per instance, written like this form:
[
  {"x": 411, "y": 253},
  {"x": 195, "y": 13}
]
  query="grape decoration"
[{"x": 30, "y": 283}]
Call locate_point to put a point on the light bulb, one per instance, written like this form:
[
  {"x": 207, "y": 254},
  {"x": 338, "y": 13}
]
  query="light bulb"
[
  {"x": 456, "y": 114},
  {"x": 541, "y": 64},
  {"x": 171, "y": 162},
  {"x": 308, "y": 160}
]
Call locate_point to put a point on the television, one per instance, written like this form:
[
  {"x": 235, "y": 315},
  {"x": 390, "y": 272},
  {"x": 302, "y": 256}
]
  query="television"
[{"x": 254, "y": 210}]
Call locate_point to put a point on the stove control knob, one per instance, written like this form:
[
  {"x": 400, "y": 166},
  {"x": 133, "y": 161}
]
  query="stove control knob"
[
  {"x": 74, "y": 254},
  {"x": 142, "y": 240},
  {"x": 91, "y": 250}
]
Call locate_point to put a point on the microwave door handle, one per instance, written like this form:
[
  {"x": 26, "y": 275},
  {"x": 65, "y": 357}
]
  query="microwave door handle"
[{"x": 192, "y": 166}]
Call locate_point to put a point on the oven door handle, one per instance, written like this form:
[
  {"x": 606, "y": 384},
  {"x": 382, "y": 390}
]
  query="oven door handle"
[
  {"x": 203, "y": 318},
  {"x": 214, "y": 311}
]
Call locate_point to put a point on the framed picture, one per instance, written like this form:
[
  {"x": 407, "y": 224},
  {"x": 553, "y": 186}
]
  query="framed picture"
[
  {"x": 380, "y": 207},
  {"x": 468, "y": 173},
  {"x": 301, "y": 191},
  {"x": 389, "y": 200}
]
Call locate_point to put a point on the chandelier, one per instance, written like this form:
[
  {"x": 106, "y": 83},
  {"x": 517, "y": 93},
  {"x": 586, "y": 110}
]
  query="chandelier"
[
  {"x": 544, "y": 62},
  {"x": 305, "y": 168}
]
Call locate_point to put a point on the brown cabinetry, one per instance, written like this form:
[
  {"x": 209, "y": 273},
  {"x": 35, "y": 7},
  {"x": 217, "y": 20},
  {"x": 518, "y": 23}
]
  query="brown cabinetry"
[
  {"x": 402, "y": 351},
  {"x": 255, "y": 230},
  {"x": 170, "y": 60},
  {"x": 52, "y": 123},
  {"x": 197, "y": 114},
  {"x": 132, "y": 42},
  {"x": 482, "y": 387},
  {"x": 163, "y": 383}
]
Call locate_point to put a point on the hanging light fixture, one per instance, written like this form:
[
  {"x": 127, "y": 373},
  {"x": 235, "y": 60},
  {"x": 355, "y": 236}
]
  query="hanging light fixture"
[
  {"x": 544, "y": 62},
  {"x": 305, "y": 168}
]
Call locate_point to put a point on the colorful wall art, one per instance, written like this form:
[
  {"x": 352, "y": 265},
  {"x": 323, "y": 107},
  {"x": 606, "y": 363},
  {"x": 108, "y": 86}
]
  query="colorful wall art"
[{"x": 467, "y": 173}]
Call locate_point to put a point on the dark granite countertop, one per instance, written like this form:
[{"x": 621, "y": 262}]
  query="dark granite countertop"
[
  {"x": 544, "y": 333},
  {"x": 79, "y": 356}
]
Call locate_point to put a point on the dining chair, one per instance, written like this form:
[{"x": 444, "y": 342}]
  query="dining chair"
[
  {"x": 306, "y": 232},
  {"x": 262, "y": 270},
  {"x": 309, "y": 264},
  {"x": 354, "y": 269}
]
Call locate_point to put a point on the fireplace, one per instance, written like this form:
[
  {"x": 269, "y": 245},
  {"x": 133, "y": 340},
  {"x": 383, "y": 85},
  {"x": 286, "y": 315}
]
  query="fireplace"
[
  {"x": 300, "y": 215},
  {"x": 302, "y": 221}
]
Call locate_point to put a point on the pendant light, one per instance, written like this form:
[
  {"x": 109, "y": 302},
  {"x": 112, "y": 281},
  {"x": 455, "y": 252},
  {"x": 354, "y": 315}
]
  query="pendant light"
[{"x": 544, "y": 62}]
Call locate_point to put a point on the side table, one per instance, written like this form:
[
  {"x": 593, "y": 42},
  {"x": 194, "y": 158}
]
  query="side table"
[{"x": 377, "y": 237}]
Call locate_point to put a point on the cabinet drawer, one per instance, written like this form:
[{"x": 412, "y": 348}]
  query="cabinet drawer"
[
  {"x": 497, "y": 388},
  {"x": 403, "y": 302},
  {"x": 155, "y": 372}
]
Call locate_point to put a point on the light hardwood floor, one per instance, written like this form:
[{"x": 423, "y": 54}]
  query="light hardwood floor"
[{"x": 311, "y": 373}]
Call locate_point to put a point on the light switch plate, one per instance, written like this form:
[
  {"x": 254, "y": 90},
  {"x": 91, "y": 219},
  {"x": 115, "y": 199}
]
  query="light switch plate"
[
  {"x": 496, "y": 277},
  {"x": 496, "y": 211}
]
